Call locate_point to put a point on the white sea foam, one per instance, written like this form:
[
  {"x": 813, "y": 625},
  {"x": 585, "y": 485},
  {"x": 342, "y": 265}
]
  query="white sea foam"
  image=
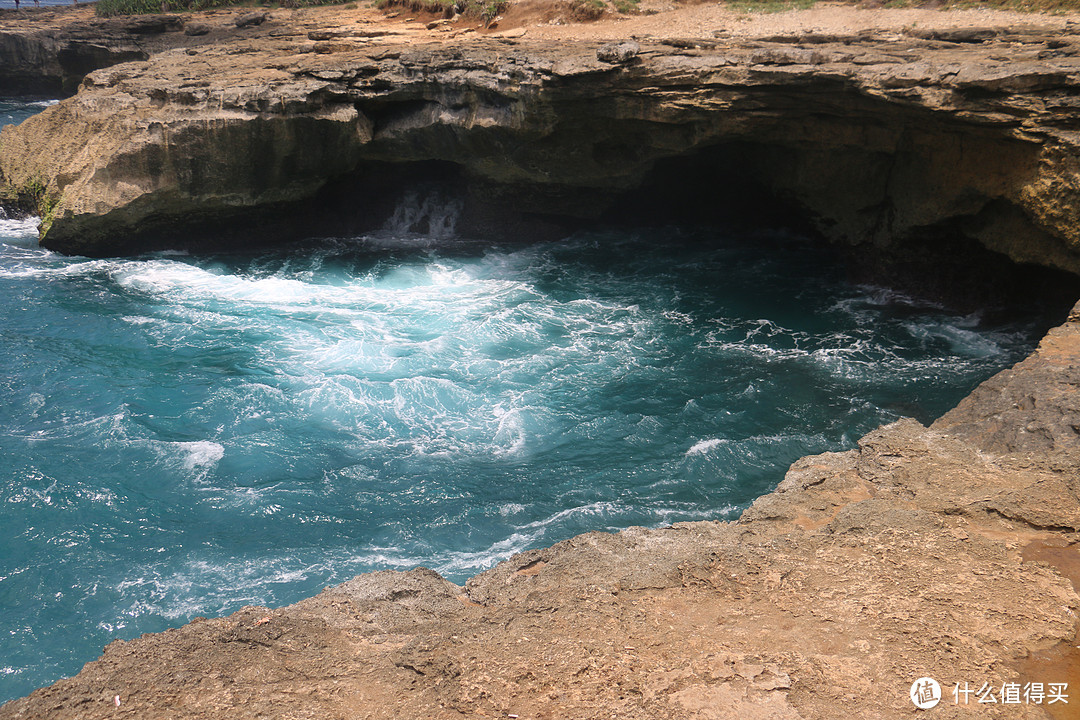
[
  {"x": 19, "y": 228},
  {"x": 209, "y": 586},
  {"x": 960, "y": 339},
  {"x": 201, "y": 453},
  {"x": 337, "y": 403},
  {"x": 604, "y": 508},
  {"x": 461, "y": 563},
  {"x": 666, "y": 516},
  {"x": 195, "y": 459},
  {"x": 701, "y": 447},
  {"x": 512, "y": 435},
  {"x": 35, "y": 402},
  {"x": 38, "y": 264}
]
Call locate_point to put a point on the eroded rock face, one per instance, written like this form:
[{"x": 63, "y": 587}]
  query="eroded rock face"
[
  {"x": 874, "y": 140},
  {"x": 47, "y": 53},
  {"x": 51, "y": 65}
]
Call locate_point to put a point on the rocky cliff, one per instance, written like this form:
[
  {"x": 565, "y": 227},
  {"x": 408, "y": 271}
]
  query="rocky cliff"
[
  {"x": 46, "y": 52},
  {"x": 871, "y": 138}
]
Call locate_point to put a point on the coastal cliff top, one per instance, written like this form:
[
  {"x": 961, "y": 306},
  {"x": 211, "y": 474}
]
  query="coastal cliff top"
[{"x": 553, "y": 20}]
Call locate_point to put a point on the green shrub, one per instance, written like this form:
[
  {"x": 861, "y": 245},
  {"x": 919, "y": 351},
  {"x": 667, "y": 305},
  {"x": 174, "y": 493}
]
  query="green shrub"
[
  {"x": 587, "y": 9},
  {"x": 34, "y": 197},
  {"x": 108, "y": 8},
  {"x": 486, "y": 10},
  {"x": 437, "y": 7},
  {"x": 489, "y": 9}
]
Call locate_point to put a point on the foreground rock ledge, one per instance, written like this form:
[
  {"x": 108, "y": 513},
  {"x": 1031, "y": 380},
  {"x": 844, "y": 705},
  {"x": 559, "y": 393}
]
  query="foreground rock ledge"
[
  {"x": 943, "y": 551},
  {"x": 873, "y": 138}
]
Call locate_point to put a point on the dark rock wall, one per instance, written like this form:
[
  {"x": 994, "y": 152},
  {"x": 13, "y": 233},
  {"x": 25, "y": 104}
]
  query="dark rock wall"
[{"x": 51, "y": 64}]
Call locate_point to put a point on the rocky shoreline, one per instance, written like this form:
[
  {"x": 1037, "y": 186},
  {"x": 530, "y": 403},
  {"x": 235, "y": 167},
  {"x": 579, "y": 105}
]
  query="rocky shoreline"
[
  {"x": 951, "y": 551},
  {"x": 883, "y": 140}
]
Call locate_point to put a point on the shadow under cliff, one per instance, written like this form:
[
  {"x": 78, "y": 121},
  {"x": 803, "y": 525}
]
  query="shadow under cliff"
[{"x": 725, "y": 186}]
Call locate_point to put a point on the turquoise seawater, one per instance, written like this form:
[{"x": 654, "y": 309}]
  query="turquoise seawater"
[{"x": 183, "y": 435}]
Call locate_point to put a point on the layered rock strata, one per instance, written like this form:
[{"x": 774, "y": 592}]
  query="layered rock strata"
[
  {"x": 872, "y": 138},
  {"x": 47, "y": 52}
]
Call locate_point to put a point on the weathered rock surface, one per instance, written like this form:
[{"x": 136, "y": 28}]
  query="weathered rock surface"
[
  {"x": 876, "y": 139},
  {"x": 49, "y": 52},
  {"x": 944, "y": 552},
  {"x": 249, "y": 19}
]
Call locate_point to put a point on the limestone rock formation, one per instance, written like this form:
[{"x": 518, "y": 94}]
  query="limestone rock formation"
[
  {"x": 872, "y": 139},
  {"x": 50, "y": 54}
]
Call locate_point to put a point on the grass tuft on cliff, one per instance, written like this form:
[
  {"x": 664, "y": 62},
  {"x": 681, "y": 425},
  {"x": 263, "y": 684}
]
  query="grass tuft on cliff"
[
  {"x": 109, "y": 8},
  {"x": 486, "y": 10}
]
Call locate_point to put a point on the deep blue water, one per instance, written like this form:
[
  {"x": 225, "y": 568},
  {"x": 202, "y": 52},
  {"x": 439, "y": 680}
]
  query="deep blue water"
[{"x": 183, "y": 435}]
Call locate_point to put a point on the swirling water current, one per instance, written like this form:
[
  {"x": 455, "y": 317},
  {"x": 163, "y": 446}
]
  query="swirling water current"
[{"x": 183, "y": 435}]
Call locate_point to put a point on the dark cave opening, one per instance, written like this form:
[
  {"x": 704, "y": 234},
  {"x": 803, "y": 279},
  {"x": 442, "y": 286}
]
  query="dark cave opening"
[
  {"x": 727, "y": 186},
  {"x": 734, "y": 186}
]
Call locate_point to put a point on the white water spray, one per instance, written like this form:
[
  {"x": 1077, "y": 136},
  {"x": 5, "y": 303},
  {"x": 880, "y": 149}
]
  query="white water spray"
[{"x": 435, "y": 216}]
